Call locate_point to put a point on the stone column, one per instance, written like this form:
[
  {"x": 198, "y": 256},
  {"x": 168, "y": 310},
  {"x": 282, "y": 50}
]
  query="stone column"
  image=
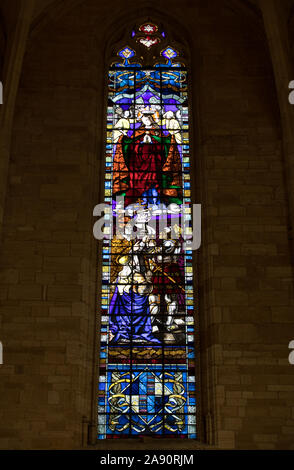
[
  {"x": 10, "y": 87},
  {"x": 275, "y": 24}
]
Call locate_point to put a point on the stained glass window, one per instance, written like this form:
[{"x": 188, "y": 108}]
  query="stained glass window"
[{"x": 147, "y": 371}]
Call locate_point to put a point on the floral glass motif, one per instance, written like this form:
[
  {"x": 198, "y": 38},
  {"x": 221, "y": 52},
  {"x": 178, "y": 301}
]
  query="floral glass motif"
[
  {"x": 149, "y": 30},
  {"x": 148, "y": 42},
  {"x": 126, "y": 53},
  {"x": 169, "y": 53},
  {"x": 147, "y": 371}
]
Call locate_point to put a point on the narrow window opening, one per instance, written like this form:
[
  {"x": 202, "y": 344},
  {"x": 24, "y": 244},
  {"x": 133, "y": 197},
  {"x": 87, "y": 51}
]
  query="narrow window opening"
[{"x": 147, "y": 371}]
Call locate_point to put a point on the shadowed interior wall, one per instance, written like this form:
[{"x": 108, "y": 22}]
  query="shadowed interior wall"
[
  {"x": 291, "y": 32},
  {"x": 8, "y": 19},
  {"x": 48, "y": 254},
  {"x": 2, "y": 46}
]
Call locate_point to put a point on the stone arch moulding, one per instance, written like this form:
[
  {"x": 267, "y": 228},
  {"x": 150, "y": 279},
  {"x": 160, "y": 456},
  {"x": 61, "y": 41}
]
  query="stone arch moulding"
[
  {"x": 118, "y": 35},
  {"x": 290, "y": 25},
  {"x": 3, "y": 45},
  {"x": 116, "y": 38}
]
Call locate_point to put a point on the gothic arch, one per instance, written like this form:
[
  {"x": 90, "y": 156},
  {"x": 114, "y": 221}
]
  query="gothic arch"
[
  {"x": 2, "y": 45},
  {"x": 114, "y": 29},
  {"x": 291, "y": 32},
  {"x": 115, "y": 38},
  {"x": 119, "y": 27},
  {"x": 114, "y": 34}
]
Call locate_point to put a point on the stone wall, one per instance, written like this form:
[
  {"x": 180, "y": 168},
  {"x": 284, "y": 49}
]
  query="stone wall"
[{"x": 49, "y": 257}]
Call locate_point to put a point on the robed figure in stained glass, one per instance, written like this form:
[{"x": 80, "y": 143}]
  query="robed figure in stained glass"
[
  {"x": 147, "y": 163},
  {"x": 130, "y": 319}
]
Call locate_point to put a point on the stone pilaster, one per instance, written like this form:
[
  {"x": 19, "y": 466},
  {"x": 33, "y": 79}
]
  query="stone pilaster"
[
  {"x": 14, "y": 66},
  {"x": 275, "y": 24}
]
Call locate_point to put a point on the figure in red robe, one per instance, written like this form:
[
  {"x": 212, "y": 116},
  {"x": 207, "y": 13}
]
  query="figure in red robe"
[{"x": 146, "y": 161}]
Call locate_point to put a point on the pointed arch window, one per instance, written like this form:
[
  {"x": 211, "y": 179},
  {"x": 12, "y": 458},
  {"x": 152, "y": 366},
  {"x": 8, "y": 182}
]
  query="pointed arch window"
[{"x": 146, "y": 372}]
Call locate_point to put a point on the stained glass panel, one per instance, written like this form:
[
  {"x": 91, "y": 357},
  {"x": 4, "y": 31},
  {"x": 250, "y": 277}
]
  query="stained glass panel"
[{"x": 147, "y": 370}]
